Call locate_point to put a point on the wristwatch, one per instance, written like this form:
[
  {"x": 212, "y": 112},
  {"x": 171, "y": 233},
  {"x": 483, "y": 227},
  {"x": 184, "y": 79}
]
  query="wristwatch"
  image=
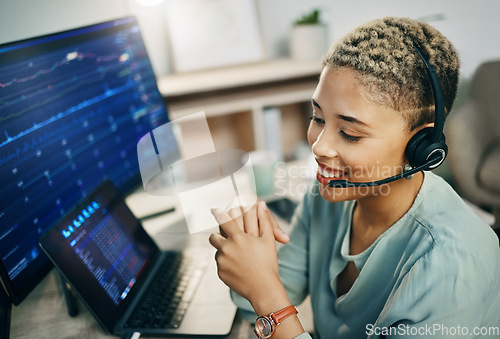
[{"x": 266, "y": 324}]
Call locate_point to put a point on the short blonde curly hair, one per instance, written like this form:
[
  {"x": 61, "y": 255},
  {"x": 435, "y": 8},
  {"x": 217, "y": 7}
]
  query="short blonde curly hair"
[{"x": 391, "y": 70}]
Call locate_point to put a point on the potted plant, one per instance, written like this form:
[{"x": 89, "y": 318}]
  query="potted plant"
[{"x": 309, "y": 37}]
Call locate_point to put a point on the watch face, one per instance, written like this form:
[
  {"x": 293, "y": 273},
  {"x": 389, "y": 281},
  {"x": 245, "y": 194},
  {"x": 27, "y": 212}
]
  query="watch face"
[{"x": 263, "y": 327}]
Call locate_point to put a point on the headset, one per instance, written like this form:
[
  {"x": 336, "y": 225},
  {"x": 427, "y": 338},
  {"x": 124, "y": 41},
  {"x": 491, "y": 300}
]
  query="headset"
[{"x": 427, "y": 149}]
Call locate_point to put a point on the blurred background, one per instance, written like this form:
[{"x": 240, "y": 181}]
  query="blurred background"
[
  {"x": 248, "y": 66},
  {"x": 471, "y": 25}
]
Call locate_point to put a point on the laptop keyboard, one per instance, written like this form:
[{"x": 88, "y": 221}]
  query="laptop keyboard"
[{"x": 167, "y": 299}]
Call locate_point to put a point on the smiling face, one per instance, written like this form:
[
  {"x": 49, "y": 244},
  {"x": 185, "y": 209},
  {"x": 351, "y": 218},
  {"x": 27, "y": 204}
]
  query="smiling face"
[{"x": 353, "y": 138}]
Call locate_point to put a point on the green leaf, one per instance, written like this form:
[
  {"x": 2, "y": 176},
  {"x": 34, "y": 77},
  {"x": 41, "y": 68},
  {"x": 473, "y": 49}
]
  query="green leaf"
[{"x": 311, "y": 18}]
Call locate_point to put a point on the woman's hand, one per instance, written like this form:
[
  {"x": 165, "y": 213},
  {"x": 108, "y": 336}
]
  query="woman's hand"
[
  {"x": 246, "y": 255},
  {"x": 247, "y": 261}
]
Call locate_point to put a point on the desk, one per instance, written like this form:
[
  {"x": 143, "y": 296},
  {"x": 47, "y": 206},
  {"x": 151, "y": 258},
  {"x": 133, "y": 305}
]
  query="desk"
[{"x": 43, "y": 313}]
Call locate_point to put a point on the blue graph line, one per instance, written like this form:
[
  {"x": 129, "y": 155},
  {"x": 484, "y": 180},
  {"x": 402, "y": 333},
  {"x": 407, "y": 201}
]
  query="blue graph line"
[{"x": 69, "y": 111}]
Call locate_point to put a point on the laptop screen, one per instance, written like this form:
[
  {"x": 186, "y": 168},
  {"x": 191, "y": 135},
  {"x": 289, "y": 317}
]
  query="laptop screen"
[
  {"x": 102, "y": 250},
  {"x": 72, "y": 107}
]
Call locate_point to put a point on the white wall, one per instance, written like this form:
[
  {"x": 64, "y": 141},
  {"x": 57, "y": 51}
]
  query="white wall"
[
  {"x": 21, "y": 19},
  {"x": 472, "y": 26}
]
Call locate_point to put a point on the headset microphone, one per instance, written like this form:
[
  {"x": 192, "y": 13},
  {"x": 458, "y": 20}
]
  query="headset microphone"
[
  {"x": 347, "y": 184},
  {"x": 427, "y": 149}
]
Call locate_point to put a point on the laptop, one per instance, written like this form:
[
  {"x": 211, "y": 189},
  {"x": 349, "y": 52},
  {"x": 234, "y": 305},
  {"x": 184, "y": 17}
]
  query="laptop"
[{"x": 125, "y": 280}]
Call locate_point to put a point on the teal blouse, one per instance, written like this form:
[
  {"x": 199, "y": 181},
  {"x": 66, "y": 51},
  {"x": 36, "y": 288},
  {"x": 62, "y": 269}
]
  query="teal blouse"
[{"x": 434, "y": 273}]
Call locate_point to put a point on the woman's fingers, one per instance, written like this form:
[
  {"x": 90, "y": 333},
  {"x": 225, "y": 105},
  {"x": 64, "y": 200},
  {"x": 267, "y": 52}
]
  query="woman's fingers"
[
  {"x": 216, "y": 240},
  {"x": 236, "y": 216},
  {"x": 220, "y": 216},
  {"x": 241, "y": 256},
  {"x": 256, "y": 220},
  {"x": 280, "y": 236},
  {"x": 267, "y": 222},
  {"x": 250, "y": 222},
  {"x": 227, "y": 224},
  {"x": 239, "y": 214},
  {"x": 265, "y": 226}
]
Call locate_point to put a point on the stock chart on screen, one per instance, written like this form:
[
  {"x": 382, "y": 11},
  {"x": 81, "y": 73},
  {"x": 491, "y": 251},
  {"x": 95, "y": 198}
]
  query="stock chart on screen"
[{"x": 72, "y": 107}]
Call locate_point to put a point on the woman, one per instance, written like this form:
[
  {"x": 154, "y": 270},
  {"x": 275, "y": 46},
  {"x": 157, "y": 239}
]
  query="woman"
[{"x": 403, "y": 259}]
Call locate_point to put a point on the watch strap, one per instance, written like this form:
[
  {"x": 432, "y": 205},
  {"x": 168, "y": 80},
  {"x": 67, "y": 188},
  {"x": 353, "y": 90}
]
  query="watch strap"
[{"x": 284, "y": 313}]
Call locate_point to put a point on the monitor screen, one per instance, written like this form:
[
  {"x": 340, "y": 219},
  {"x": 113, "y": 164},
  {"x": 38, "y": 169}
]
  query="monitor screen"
[
  {"x": 5, "y": 309},
  {"x": 72, "y": 107}
]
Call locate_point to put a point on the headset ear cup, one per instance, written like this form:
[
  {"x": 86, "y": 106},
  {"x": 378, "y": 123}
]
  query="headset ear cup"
[
  {"x": 416, "y": 146},
  {"x": 421, "y": 149}
]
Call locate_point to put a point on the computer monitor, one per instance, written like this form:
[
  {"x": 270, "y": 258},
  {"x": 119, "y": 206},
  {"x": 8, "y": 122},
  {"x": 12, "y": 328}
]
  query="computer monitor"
[
  {"x": 5, "y": 309},
  {"x": 72, "y": 107}
]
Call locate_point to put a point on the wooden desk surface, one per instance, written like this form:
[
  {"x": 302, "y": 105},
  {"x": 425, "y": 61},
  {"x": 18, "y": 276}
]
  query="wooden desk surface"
[{"x": 44, "y": 315}]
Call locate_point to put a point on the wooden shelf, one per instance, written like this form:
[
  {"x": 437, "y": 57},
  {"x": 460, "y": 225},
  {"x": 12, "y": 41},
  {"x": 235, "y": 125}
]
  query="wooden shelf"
[
  {"x": 247, "y": 100},
  {"x": 225, "y": 93},
  {"x": 237, "y": 76}
]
